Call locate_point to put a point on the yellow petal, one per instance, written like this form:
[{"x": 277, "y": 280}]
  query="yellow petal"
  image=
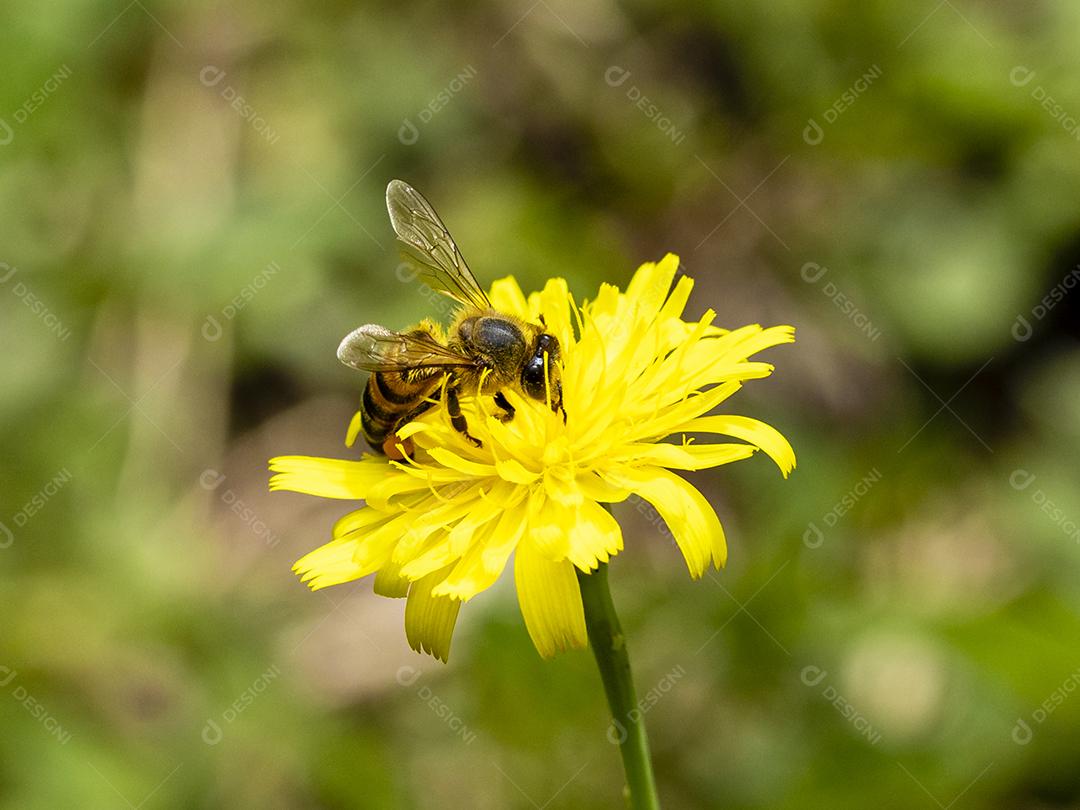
[
  {"x": 596, "y": 488},
  {"x": 327, "y": 477},
  {"x": 389, "y": 582},
  {"x": 689, "y": 516},
  {"x": 481, "y": 565},
  {"x": 683, "y": 457},
  {"x": 336, "y": 563},
  {"x": 750, "y": 340},
  {"x": 550, "y": 601},
  {"x": 650, "y": 285},
  {"x": 676, "y": 301},
  {"x": 506, "y": 296},
  {"x": 594, "y": 537},
  {"x": 453, "y": 461},
  {"x": 750, "y": 430},
  {"x": 355, "y": 424},
  {"x": 554, "y": 304},
  {"x": 434, "y": 554},
  {"x": 429, "y": 620},
  {"x": 360, "y": 522}
]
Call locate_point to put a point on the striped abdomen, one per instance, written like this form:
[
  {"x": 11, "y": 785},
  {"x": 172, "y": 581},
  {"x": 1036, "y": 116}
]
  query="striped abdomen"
[{"x": 390, "y": 399}]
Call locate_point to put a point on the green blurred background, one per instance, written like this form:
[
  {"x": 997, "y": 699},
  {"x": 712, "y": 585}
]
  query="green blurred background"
[{"x": 191, "y": 199}]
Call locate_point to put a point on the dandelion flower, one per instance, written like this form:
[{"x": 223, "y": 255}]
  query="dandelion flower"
[{"x": 639, "y": 383}]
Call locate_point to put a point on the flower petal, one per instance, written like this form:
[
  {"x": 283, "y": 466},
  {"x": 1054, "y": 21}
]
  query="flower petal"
[
  {"x": 750, "y": 430},
  {"x": 650, "y": 285},
  {"x": 429, "y": 620},
  {"x": 389, "y": 581},
  {"x": 327, "y": 477},
  {"x": 684, "y": 456},
  {"x": 594, "y": 537},
  {"x": 689, "y": 516},
  {"x": 355, "y": 424},
  {"x": 550, "y": 601},
  {"x": 330, "y": 564},
  {"x": 506, "y": 296}
]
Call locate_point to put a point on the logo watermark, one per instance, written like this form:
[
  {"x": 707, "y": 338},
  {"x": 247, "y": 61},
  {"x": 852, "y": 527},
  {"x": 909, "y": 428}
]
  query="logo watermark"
[
  {"x": 617, "y": 732},
  {"x": 814, "y": 133},
  {"x": 32, "y": 104},
  {"x": 1022, "y": 76},
  {"x": 1023, "y": 732},
  {"x": 813, "y": 537},
  {"x": 212, "y": 76},
  {"x": 1022, "y": 329},
  {"x": 813, "y": 676},
  {"x": 211, "y": 480},
  {"x": 408, "y": 676},
  {"x": 651, "y": 515},
  {"x": 212, "y": 329},
  {"x": 443, "y": 304},
  {"x": 33, "y": 303},
  {"x": 1021, "y": 479},
  {"x": 33, "y": 706},
  {"x": 212, "y": 732},
  {"x": 36, "y": 503},
  {"x": 616, "y": 76},
  {"x": 812, "y": 273},
  {"x": 408, "y": 132}
]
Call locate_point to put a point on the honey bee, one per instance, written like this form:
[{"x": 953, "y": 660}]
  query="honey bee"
[{"x": 484, "y": 351}]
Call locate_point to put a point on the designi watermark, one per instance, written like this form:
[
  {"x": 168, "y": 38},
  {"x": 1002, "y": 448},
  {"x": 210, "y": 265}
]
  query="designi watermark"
[
  {"x": 1022, "y": 329},
  {"x": 33, "y": 706},
  {"x": 814, "y": 133},
  {"x": 1021, "y": 480},
  {"x": 212, "y": 328},
  {"x": 36, "y": 503},
  {"x": 212, "y": 732},
  {"x": 1022, "y": 732},
  {"x": 211, "y": 480},
  {"x": 1022, "y": 76},
  {"x": 409, "y": 133},
  {"x": 408, "y": 676},
  {"x": 212, "y": 76},
  {"x": 617, "y": 731},
  {"x": 814, "y": 537},
  {"x": 814, "y": 676},
  {"x": 21, "y": 291},
  {"x": 616, "y": 76},
  {"x": 812, "y": 273},
  {"x": 32, "y": 104}
]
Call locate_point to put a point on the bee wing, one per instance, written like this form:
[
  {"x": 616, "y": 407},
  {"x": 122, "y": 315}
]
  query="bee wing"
[
  {"x": 430, "y": 247},
  {"x": 376, "y": 348}
]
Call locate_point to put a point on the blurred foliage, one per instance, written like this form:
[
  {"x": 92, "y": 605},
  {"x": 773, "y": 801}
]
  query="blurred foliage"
[{"x": 192, "y": 207}]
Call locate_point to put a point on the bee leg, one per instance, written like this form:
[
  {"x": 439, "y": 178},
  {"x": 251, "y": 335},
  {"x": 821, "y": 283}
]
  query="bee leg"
[
  {"x": 390, "y": 444},
  {"x": 457, "y": 418},
  {"x": 504, "y": 403},
  {"x": 415, "y": 412}
]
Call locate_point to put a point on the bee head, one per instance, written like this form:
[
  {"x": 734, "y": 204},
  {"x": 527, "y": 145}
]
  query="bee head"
[{"x": 533, "y": 382}]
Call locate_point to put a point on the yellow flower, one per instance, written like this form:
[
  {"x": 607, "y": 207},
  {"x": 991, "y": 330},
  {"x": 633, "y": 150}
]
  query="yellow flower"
[{"x": 439, "y": 528}]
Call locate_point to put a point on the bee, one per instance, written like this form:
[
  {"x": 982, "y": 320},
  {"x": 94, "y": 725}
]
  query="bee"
[{"x": 484, "y": 351}]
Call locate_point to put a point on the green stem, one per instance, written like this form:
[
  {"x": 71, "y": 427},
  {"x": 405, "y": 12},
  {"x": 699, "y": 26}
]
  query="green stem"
[{"x": 627, "y": 729}]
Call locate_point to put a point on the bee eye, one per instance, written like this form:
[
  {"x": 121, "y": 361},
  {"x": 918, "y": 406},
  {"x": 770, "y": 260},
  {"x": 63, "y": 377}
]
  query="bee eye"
[{"x": 532, "y": 378}]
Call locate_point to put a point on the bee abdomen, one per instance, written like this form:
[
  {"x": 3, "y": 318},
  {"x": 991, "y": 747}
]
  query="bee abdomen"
[{"x": 388, "y": 399}]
